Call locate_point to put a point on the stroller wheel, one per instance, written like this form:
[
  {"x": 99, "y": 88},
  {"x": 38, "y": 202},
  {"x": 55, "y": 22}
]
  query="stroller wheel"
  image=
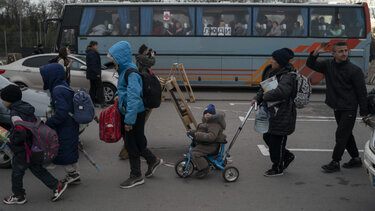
[
  {"x": 181, "y": 170},
  {"x": 231, "y": 174}
]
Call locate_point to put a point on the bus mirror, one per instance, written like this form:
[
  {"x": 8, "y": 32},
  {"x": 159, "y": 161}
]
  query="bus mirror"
[{"x": 83, "y": 67}]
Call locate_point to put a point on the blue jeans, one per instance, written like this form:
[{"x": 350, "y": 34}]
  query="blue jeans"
[{"x": 19, "y": 166}]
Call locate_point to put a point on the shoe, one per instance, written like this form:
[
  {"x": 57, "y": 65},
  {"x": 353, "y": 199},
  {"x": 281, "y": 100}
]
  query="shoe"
[
  {"x": 152, "y": 168},
  {"x": 331, "y": 167},
  {"x": 76, "y": 182},
  {"x": 273, "y": 173},
  {"x": 353, "y": 163},
  {"x": 203, "y": 173},
  {"x": 71, "y": 177},
  {"x": 15, "y": 199},
  {"x": 132, "y": 182},
  {"x": 61, "y": 187},
  {"x": 288, "y": 161}
]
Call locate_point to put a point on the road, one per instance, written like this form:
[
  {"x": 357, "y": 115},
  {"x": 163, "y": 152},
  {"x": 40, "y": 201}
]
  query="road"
[{"x": 303, "y": 187}]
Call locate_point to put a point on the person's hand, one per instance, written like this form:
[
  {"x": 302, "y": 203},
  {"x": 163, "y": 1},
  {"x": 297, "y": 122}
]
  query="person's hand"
[
  {"x": 70, "y": 63},
  {"x": 365, "y": 119},
  {"x": 323, "y": 48},
  {"x": 128, "y": 128},
  {"x": 190, "y": 133},
  {"x": 254, "y": 101},
  {"x": 152, "y": 53}
]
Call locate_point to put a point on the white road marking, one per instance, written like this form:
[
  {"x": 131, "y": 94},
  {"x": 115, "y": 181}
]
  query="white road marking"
[
  {"x": 232, "y": 104},
  {"x": 305, "y": 119},
  {"x": 264, "y": 150}
]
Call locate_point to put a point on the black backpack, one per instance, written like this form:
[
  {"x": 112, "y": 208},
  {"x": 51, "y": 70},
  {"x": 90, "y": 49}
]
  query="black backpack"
[{"x": 151, "y": 88}]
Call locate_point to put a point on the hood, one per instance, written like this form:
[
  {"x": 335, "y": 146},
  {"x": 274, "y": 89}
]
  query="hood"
[
  {"x": 91, "y": 49},
  {"x": 219, "y": 118},
  {"x": 22, "y": 108},
  {"x": 122, "y": 53},
  {"x": 52, "y": 75}
]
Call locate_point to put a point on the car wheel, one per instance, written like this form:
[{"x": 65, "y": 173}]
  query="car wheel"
[
  {"x": 21, "y": 85},
  {"x": 5, "y": 161},
  {"x": 109, "y": 93}
]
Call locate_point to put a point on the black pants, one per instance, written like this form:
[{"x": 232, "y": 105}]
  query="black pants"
[
  {"x": 136, "y": 144},
  {"x": 278, "y": 152},
  {"x": 97, "y": 91},
  {"x": 19, "y": 166},
  {"x": 344, "y": 135}
]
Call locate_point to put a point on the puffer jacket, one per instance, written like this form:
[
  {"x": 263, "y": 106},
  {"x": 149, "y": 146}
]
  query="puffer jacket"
[
  {"x": 62, "y": 103},
  {"x": 210, "y": 131},
  {"x": 282, "y": 115},
  {"x": 130, "y": 95},
  {"x": 94, "y": 66},
  {"x": 144, "y": 62},
  {"x": 19, "y": 134}
]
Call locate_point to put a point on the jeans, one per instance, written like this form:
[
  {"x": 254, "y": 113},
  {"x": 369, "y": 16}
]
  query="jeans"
[{"x": 19, "y": 166}]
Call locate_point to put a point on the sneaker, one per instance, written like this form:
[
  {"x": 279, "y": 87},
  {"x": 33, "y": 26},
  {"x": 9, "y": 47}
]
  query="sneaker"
[
  {"x": 71, "y": 177},
  {"x": 132, "y": 182},
  {"x": 15, "y": 199},
  {"x": 331, "y": 167},
  {"x": 288, "y": 161},
  {"x": 61, "y": 187},
  {"x": 273, "y": 173},
  {"x": 353, "y": 163},
  {"x": 152, "y": 168},
  {"x": 76, "y": 182},
  {"x": 203, "y": 173}
]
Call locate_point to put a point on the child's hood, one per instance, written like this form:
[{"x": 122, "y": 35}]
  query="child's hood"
[{"x": 219, "y": 118}]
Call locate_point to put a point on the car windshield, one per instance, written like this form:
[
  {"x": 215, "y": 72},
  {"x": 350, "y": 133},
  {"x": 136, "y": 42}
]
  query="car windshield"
[{"x": 4, "y": 82}]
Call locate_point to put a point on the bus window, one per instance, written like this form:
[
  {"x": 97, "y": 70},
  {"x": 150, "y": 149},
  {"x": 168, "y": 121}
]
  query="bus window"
[
  {"x": 337, "y": 22},
  {"x": 223, "y": 21},
  {"x": 168, "y": 21},
  {"x": 110, "y": 21},
  {"x": 280, "y": 21},
  {"x": 69, "y": 38}
]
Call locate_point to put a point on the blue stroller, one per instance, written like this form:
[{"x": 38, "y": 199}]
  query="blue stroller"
[{"x": 185, "y": 167}]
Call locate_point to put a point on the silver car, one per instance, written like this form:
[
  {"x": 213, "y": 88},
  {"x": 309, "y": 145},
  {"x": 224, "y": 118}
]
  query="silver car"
[
  {"x": 39, "y": 99},
  {"x": 25, "y": 73}
]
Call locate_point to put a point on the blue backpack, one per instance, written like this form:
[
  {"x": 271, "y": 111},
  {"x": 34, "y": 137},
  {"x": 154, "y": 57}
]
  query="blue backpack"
[{"x": 84, "y": 111}]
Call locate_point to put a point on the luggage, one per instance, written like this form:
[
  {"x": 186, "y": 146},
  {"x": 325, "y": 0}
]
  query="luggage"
[
  {"x": 45, "y": 145},
  {"x": 110, "y": 124}
]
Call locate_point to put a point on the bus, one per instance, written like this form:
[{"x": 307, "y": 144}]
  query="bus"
[{"x": 219, "y": 43}]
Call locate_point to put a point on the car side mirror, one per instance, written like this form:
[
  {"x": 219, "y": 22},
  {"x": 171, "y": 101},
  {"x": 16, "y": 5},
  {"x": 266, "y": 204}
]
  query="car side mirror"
[{"x": 83, "y": 67}]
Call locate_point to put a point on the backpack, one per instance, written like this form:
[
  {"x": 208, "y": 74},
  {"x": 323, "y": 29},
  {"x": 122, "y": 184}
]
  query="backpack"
[
  {"x": 302, "y": 90},
  {"x": 110, "y": 124},
  {"x": 84, "y": 111},
  {"x": 151, "y": 88},
  {"x": 45, "y": 145}
]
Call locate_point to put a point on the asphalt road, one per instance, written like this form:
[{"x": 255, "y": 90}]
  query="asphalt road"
[{"x": 303, "y": 187}]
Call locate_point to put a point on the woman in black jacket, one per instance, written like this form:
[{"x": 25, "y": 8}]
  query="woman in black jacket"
[
  {"x": 282, "y": 115},
  {"x": 94, "y": 73}
]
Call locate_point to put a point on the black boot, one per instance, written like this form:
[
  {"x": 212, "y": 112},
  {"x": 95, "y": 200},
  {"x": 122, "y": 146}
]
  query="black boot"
[{"x": 331, "y": 167}]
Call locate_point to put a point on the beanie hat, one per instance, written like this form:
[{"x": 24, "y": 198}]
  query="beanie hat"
[
  {"x": 210, "y": 109},
  {"x": 11, "y": 93},
  {"x": 283, "y": 56}
]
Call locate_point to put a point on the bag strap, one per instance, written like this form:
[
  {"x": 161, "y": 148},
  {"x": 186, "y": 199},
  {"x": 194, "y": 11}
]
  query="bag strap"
[{"x": 131, "y": 70}]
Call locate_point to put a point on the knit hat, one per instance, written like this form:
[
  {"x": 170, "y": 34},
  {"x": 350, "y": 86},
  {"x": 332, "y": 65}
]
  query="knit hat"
[
  {"x": 11, "y": 93},
  {"x": 210, "y": 109},
  {"x": 283, "y": 56}
]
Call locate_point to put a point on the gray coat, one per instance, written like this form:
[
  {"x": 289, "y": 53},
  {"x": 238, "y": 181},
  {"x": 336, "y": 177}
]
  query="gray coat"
[
  {"x": 284, "y": 114},
  {"x": 210, "y": 131}
]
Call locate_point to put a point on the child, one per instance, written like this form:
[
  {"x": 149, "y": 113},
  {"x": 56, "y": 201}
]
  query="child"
[
  {"x": 208, "y": 136},
  {"x": 11, "y": 98},
  {"x": 67, "y": 129}
]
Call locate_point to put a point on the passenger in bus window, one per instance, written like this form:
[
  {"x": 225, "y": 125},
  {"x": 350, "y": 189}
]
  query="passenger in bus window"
[
  {"x": 133, "y": 30},
  {"x": 116, "y": 28},
  {"x": 239, "y": 30},
  {"x": 275, "y": 30},
  {"x": 336, "y": 31},
  {"x": 323, "y": 26},
  {"x": 297, "y": 31},
  {"x": 315, "y": 27},
  {"x": 179, "y": 29},
  {"x": 158, "y": 28}
]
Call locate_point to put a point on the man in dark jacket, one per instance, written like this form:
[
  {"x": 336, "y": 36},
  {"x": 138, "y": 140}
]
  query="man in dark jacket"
[
  {"x": 144, "y": 62},
  {"x": 94, "y": 73},
  {"x": 346, "y": 90},
  {"x": 67, "y": 129},
  {"x": 283, "y": 115},
  {"x": 11, "y": 97}
]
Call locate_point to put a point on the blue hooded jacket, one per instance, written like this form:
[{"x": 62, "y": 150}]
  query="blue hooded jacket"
[
  {"x": 62, "y": 103},
  {"x": 130, "y": 95}
]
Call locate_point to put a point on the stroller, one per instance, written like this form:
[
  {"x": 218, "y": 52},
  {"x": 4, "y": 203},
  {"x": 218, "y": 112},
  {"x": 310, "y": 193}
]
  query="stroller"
[{"x": 185, "y": 167}]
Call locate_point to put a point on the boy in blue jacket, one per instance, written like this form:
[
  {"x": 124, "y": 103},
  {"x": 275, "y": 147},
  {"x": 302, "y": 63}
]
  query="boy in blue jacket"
[{"x": 11, "y": 97}]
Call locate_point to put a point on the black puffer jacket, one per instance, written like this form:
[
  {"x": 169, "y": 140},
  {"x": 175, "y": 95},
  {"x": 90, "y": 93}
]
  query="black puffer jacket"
[
  {"x": 19, "y": 135},
  {"x": 284, "y": 114},
  {"x": 94, "y": 66},
  {"x": 345, "y": 84}
]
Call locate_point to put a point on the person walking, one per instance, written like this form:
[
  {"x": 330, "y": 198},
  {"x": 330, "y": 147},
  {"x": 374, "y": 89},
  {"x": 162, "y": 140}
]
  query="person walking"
[
  {"x": 346, "y": 90},
  {"x": 66, "y": 128},
  {"x": 283, "y": 115},
  {"x": 133, "y": 115},
  {"x": 62, "y": 59},
  {"x": 94, "y": 73},
  {"x": 11, "y": 96},
  {"x": 144, "y": 61}
]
